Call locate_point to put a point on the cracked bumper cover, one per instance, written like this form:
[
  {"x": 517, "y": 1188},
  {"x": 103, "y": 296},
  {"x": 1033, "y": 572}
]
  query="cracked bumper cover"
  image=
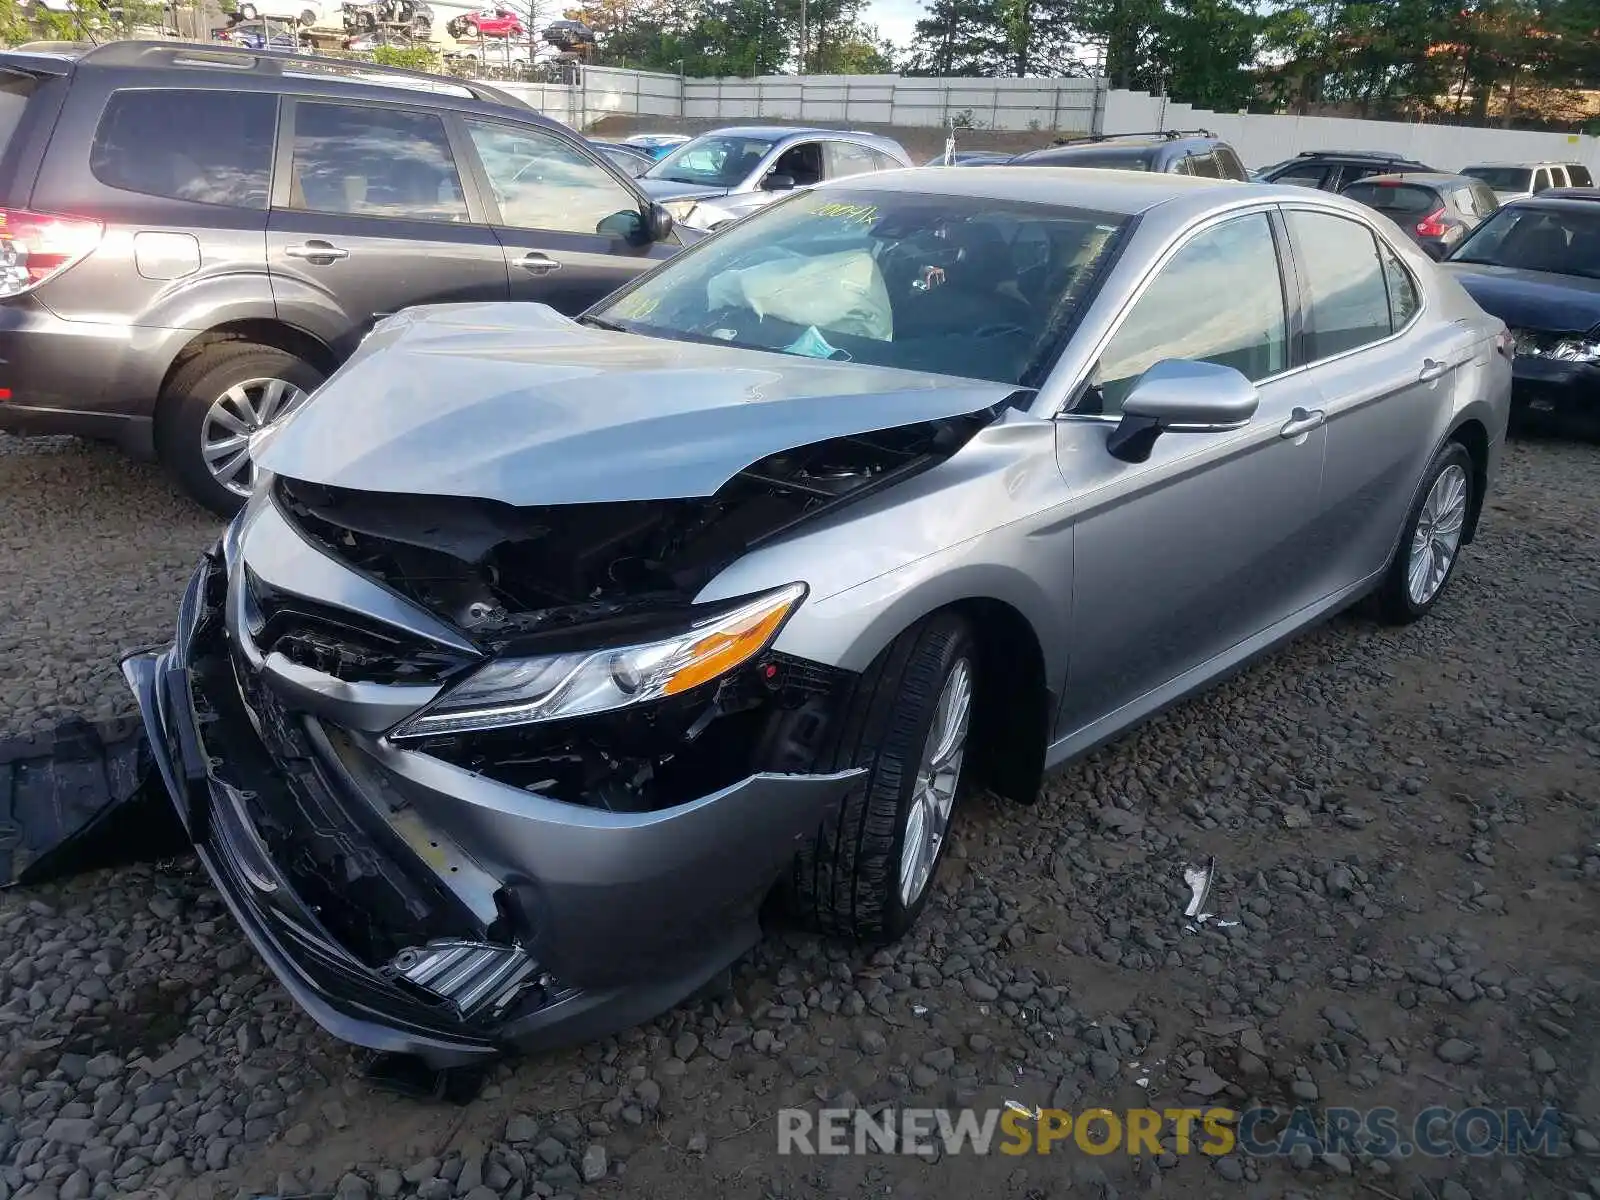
[{"x": 626, "y": 914}]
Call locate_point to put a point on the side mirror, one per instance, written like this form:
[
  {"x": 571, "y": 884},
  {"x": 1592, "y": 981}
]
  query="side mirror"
[
  {"x": 658, "y": 223},
  {"x": 777, "y": 183},
  {"x": 1180, "y": 396}
]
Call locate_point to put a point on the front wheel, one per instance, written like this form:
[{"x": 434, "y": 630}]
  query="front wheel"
[
  {"x": 868, "y": 872},
  {"x": 1431, "y": 541}
]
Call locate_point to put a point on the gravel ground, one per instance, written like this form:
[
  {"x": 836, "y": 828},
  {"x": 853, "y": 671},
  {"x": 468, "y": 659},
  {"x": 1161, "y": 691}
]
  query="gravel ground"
[{"x": 1407, "y": 837}]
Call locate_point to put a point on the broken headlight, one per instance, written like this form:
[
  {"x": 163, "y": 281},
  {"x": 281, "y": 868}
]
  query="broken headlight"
[{"x": 520, "y": 691}]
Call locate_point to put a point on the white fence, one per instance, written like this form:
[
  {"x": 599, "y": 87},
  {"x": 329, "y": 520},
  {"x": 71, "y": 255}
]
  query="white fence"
[
  {"x": 1262, "y": 140},
  {"x": 1043, "y": 104},
  {"x": 604, "y": 92},
  {"x": 1015, "y": 104},
  {"x": 1046, "y": 105}
]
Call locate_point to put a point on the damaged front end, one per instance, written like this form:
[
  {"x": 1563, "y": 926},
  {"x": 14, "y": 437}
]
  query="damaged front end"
[{"x": 474, "y": 776}]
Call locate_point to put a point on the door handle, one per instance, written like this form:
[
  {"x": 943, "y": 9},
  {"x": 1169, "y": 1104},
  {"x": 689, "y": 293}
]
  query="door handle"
[
  {"x": 316, "y": 251},
  {"x": 1300, "y": 421},
  {"x": 537, "y": 264},
  {"x": 1432, "y": 368}
]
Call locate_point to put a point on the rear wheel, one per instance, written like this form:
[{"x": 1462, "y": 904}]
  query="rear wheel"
[
  {"x": 212, "y": 406},
  {"x": 869, "y": 871},
  {"x": 1431, "y": 542}
]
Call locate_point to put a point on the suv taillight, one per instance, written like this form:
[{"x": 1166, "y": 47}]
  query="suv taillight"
[
  {"x": 1431, "y": 225},
  {"x": 35, "y": 246}
]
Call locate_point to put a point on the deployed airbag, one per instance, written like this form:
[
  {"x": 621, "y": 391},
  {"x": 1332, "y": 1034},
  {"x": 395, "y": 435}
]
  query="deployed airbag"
[{"x": 841, "y": 293}]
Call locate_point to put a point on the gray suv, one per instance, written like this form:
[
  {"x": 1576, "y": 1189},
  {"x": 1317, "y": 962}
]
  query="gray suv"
[{"x": 193, "y": 238}]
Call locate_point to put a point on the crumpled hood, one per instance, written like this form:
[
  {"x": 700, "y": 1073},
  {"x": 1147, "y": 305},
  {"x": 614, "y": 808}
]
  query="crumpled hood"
[
  {"x": 517, "y": 403},
  {"x": 666, "y": 189},
  {"x": 1532, "y": 299}
]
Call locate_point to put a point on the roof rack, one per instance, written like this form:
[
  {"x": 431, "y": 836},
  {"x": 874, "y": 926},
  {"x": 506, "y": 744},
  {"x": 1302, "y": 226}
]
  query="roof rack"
[
  {"x": 138, "y": 54},
  {"x": 1380, "y": 155},
  {"x": 1169, "y": 134}
]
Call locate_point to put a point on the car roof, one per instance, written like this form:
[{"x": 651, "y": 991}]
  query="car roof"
[
  {"x": 1559, "y": 198},
  {"x": 1358, "y": 155},
  {"x": 215, "y": 62},
  {"x": 1422, "y": 177},
  {"x": 778, "y": 133},
  {"x": 1543, "y": 162},
  {"x": 1126, "y": 193}
]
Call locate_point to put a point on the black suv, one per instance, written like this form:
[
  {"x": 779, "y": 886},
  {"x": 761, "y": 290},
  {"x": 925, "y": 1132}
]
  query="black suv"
[
  {"x": 1167, "y": 151},
  {"x": 192, "y": 238},
  {"x": 1335, "y": 170}
]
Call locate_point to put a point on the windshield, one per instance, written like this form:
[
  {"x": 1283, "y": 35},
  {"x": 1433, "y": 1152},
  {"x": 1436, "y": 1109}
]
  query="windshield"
[
  {"x": 1394, "y": 198},
  {"x": 1562, "y": 241},
  {"x": 721, "y": 160},
  {"x": 1503, "y": 179},
  {"x": 957, "y": 285}
]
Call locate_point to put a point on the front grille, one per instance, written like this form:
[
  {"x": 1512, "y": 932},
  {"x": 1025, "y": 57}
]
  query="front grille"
[{"x": 342, "y": 644}]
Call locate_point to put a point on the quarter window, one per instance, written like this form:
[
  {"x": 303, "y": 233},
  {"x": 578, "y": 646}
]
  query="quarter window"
[
  {"x": 1204, "y": 165},
  {"x": 1349, "y": 299},
  {"x": 1404, "y": 299},
  {"x": 540, "y": 182},
  {"x": 210, "y": 147},
  {"x": 1219, "y": 299},
  {"x": 373, "y": 162},
  {"x": 847, "y": 158},
  {"x": 1579, "y": 175}
]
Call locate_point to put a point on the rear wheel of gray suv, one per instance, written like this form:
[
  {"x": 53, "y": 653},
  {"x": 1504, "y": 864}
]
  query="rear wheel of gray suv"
[
  {"x": 869, "y": 870},
  {"x": 1430, "y": 545},
  {"x": 212, "y": 406}
]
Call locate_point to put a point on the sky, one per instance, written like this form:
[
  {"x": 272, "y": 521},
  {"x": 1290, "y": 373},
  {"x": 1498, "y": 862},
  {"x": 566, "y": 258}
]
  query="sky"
[{"x": 894, "y": 19}]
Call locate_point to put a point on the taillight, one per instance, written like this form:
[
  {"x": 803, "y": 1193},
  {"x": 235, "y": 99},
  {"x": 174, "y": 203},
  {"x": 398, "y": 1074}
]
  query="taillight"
[
  {"x": 35, "y": 246},
  {"x": 1432, "y": 226}
]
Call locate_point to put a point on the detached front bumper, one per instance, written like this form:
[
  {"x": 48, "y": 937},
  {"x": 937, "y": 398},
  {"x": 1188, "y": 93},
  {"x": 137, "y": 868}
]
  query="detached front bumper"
[
  {"x": 525, "y": 922},
  {"x": 1550, "y": 389}
]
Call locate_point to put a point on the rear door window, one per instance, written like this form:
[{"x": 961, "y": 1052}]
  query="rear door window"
[
  {"x": 1349, "y": 297},
  {"x": 374, "y": 162},
  {"x": 847, "y": 158},
  {"x": 1306, "y": 176},
  {"x": 204, "y": 146},
  {"x": 1541, "y": 180},
  {"x": 1228, "y": 163}
]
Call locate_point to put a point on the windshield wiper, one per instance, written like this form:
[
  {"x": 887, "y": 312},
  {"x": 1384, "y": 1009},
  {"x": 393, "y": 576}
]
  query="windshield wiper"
[{"x": 602, "y": 323}]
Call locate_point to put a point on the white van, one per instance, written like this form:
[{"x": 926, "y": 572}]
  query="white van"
[{"x": 1513, "y": 181}]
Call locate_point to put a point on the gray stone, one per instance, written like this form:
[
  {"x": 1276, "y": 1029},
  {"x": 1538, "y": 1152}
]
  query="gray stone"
[
  {"x": 1456, "y": 1051},
  {"x": 594, "y": 1162},
  {"x": 70, "y": 1131}
]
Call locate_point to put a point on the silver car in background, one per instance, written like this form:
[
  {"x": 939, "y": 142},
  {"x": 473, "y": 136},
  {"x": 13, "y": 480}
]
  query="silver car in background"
[
  {"x": 548, "y": 650},
  {"x": 718, "y": 177}
]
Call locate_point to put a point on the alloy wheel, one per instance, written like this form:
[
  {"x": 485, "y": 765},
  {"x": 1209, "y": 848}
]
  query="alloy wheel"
[
  {"x": 1437, "y": 536},
  {"x": 233, "y": 416},
  {"x": 937, "y": 777}
]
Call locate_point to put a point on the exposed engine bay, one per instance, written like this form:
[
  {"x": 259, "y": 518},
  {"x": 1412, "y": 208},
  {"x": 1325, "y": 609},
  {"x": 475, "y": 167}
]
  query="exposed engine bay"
[{"x": 534, "y": 581}]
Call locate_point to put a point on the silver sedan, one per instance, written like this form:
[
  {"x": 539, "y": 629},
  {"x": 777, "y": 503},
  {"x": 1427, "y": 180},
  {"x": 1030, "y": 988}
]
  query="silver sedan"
[{"x": 548, "y": 650}]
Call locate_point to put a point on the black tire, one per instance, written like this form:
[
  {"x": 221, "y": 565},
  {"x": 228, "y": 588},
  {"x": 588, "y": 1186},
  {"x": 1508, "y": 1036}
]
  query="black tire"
[
  {"x": 847, "y": 882},
  {"x": 247, "y": 12},
  {"x": 181, "y": 413},
  {"x": 1392, "y": 604}
]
